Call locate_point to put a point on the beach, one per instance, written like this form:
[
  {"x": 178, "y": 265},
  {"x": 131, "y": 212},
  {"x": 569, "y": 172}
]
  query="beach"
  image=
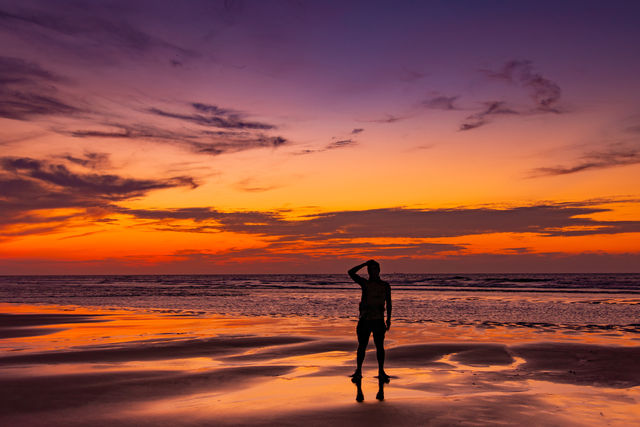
[{"x": 74, "y": 365}]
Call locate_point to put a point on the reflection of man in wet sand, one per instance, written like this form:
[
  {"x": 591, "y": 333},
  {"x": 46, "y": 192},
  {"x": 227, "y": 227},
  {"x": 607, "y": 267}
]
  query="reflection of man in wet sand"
[{"x": 375, "y": 293}]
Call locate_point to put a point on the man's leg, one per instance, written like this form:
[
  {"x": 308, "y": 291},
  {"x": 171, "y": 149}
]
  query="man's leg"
[
  {"x": 359, "y": 394},
  {"x": 378, "y": 339},
  {"x": 381, "y": 383},
  {"x": 363, "y": 331}
]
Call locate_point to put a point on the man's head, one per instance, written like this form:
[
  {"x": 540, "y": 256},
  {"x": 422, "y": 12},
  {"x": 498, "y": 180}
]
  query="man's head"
[{"x": 373, "y": 268}]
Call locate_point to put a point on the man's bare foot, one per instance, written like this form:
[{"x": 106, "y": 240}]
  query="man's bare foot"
[
  {"x": 382, "y": 376},
  {"x": 356, "y": 378},
  {"x": 380, "y": 395}
]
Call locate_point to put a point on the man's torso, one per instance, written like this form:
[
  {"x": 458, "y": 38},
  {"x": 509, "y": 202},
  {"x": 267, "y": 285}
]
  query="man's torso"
[{"x": 373, "y": 299}]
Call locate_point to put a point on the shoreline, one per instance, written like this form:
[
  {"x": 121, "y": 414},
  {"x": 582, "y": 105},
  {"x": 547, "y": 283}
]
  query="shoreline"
[{"x": 77, "y": 366}]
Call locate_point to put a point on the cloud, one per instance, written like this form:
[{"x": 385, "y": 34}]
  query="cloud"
[
  {"x": 249, "y": 185},
  {"x": 91, "y": 160},
  {"x": 441, "y": 103},
  {"x": 395, "y": 233},
  {"x": 85, "y": 30},
  {"x": 545, "y": 263},
  {"x": 357, "y": 131},
  {"x": 615, "y": 155},
  {"x": 22, "y": 138},
  {"x": 618, "y": 147},
  {"x": 544, "y": 92},
  {"x": 104, "y": 186},
  {"x": 520, "y": 250},
  {"x": 423, "y": 147},
  {"x": 211, "y": 109},
  {"x": 235, "y": 143},
  {"x": 337, "y": 143},
  {"x": 198, "y": 140},
  {"x": 340, "y": 144},
  {"x": 89, "y": 233},
  {"x": 398, "y": 233},
  {"x": 23, "y": 105},
  {"x": 545, "y": 220},
  {"x": 299, "y": 252},
  {"x": 388, "y": 119},
  {"x": 492, "y": 108},
  {"x": 30, "y": 187},
  {"x": 27, "y": 91},
  {"x": 516, "y": 261},
  {"x": 18, "y": 71},
  {"x": 210, "y": 115}
]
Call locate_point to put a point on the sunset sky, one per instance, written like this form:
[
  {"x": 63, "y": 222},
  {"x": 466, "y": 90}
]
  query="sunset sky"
[{"x": 298, "y": 136}]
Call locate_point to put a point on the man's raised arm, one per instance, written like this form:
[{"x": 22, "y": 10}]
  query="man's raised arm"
[{"x": 355, "y": 277}]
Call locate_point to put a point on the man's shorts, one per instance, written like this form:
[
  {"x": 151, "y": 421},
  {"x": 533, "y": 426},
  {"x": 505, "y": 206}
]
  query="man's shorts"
[{"x": 366, "y": 327}]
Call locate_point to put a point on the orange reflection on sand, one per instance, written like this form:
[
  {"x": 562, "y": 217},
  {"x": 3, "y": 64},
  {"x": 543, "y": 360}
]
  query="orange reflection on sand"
[
  {"x": 593, "y": 405},
  {"x": 122, "y": 326},
  {"x": 137, "y": 367}
]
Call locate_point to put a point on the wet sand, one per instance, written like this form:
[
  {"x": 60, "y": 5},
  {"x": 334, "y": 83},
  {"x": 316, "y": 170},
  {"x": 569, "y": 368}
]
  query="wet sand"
[{"x": 74, "y": 366}]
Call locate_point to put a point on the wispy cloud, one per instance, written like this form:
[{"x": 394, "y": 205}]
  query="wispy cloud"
[
  {"x": 16, "y": 70},
  {"x": 15, "y": 139},
  {"x": 441, "y": 102},
  {"x": 89, "y": 159},
  {"x": 615, "y": 155},
  {"x": 75, "y": 236},
  {"x": 217, "y": 131},
  {"x": 251, "y": 186},
  {"x": 211, "y": 115},
  {"x": 25, "y": 105},
  {"x": 92, "y": 185},
  {"x": 27, "y": 91},
  {"x": 388, "y": 119},
  {"x": 492, "y": 108},
  {"x": 53, "y": 185},
  {"x": 30, "y": 92},
  {"x": 297, "y": 252},
  {"x": 340, "y": 144},
  {"x": 334, "y": 144},
  {"x": 544, "y": 92},
  {"x": 196, "y": 140},
  {"x": 84, "y": 30}
]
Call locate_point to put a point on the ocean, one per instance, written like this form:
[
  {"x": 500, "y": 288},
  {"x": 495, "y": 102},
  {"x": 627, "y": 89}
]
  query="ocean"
[{"x": 575, "y": 301}]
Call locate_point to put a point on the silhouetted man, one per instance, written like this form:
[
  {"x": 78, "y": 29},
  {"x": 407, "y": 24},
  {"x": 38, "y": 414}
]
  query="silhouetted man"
[{"x": 375, "y": 293}]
